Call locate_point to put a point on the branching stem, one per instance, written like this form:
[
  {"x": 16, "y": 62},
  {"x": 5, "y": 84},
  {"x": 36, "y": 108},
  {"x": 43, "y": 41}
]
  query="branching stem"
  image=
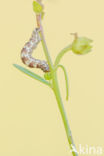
[
  {"x": 56, "y": 86},
  {"x": 61, "y": 53}
]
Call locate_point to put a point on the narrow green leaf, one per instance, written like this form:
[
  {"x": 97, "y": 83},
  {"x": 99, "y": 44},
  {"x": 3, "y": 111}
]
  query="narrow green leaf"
[
  {"x": 31, "y": 74},
  {"x": 66, "y": 79}
]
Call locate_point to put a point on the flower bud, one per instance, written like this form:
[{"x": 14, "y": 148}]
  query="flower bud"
[
  {"x": 37, "y": 7},
  {"x": 81, "y": 45},
  {"x": 48, "y": 76}
]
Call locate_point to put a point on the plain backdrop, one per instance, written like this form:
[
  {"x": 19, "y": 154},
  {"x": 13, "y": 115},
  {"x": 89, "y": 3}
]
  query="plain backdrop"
[{"x": 30, "y": 122}]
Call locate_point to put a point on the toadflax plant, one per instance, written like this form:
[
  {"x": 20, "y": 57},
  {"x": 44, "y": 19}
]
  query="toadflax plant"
[{"x": 80, "y": 45}]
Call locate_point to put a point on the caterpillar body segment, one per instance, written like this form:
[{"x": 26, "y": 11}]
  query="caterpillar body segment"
[{"x": 26, "y": 53}]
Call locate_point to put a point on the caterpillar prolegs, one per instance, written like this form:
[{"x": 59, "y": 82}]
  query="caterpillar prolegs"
[{"x": 27, "y": 50}]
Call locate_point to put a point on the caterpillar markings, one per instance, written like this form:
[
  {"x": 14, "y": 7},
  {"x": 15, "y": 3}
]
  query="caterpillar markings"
[{"x": 27, "y": 50}]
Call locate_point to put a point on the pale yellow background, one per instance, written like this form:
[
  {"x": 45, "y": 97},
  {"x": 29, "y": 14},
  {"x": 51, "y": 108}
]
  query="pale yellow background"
[{"x": 30, "y": 122}]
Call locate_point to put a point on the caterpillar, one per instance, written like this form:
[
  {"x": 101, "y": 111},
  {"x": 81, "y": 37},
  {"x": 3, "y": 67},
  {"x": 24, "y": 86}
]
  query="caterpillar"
[{"x": 27, "y": 51}]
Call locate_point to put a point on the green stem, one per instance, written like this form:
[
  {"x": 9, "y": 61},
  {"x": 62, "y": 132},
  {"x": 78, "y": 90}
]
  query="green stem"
[
  {"x": 56, "y": 89},
  {"x": 38, "y": 17},
  {"x": 63, "y": 114},
  {"x": 62, "y": 52}
]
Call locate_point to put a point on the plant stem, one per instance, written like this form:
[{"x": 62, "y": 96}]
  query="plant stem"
[
  {"x": 56, "y": 88},
  {"x": 63, "y": 114},
  {"x": 38, "y": 18},
  {"x": 62, "y": 52}
]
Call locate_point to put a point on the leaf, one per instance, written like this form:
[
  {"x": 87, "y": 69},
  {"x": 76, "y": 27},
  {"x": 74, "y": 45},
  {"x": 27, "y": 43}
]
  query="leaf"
[
  {"x": 66, "y": 79},
  {"x": 31, "y": 74},
  {"x": 37, "y": 7},
  {"x": 42, "y": 15}
]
